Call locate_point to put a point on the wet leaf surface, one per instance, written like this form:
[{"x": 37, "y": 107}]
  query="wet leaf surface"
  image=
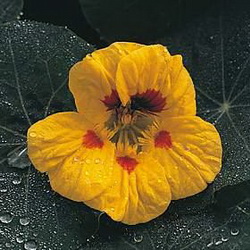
[
  {"x": 140, "y": 20},
  {"x": 10, "y": 10},
  {"x": 34, "y": 63},
  {"x": 216, "y": 50}
]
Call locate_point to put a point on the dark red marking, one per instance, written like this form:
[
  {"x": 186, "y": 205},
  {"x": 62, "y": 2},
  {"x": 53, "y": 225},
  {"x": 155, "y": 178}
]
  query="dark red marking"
[
  {"x": 148, "y": 101},
  {"x": 92, "y": 140},
  {"x": 112, "y": 101},
  {"x": 127, "y": 163},
  {"x": 163, "y": 140}
]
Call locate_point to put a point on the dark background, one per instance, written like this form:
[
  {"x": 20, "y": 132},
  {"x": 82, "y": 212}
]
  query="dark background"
[{"x": 68, "y": 14}]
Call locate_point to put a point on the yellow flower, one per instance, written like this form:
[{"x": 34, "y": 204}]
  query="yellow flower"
[{"x": 135, "y": 143}]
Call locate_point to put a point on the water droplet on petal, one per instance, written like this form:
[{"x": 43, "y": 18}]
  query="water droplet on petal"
[
  {"x": 112, "y": 209},
  {"x": 6, "y": 218},
  {"x": 86, "y": 173},
  {"x": 76, "y": 159},
  {"x": 32, "y": 134},
  {"x": 30, "y": 245},
  {"x": 97, "y": 161},
  {"x": 88, "y": 161}
]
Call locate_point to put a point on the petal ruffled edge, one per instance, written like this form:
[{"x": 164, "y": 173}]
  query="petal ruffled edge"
[{"x": 190, "y": 151}]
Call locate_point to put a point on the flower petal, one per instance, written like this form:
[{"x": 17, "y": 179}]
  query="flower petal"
[
  {"x": 76, "y": 158},
  {"x": 190, "y": 151},
  {"x": 93, "y": 78},
  {"x": 151, "y": 71},
  {"x": 137, "y": 196}
]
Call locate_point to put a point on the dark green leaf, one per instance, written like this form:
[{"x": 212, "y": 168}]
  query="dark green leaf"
[
  {"x": 10, "y": 10},
  {"x": 34, "y": 63},
  {"x": 216, "y": 50},
  {"x": 139, "y": 20},
  {"x": 216, "y": 227}
]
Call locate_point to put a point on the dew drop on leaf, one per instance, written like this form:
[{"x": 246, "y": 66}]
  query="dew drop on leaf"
[
  {"x": 6, "y": 218},
  {"x": 30, "y": 245},
  {"x": 235, "y": 232},
  {"x": 17, "y": 180},
  {"x": 18, "y": 158},
  {"x": 24, "y": 221},
  {"x": 138, "y": 238},
  {"x": 19, "y": 239}
]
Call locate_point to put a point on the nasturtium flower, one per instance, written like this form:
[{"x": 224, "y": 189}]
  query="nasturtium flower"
[{"x": 135, "y": 142}]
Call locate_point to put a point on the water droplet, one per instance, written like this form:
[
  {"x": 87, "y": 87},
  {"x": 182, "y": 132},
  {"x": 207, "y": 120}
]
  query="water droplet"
[
  {"x": 138, "y": 238},
  {"x": 19, "y": 239},
  {"x": 6, "y": 218},
  {"x": 17, "y": 180},
  {"x": 8, "y": 244},
  {"x": 19, "y": 158},
  {"x": 234, "y": 232},
  {"x": 76, "y": 159},
  {"x": 112, "y": 209},
  {"x": 3, "y": 190},
  {"x": 97, "y": 160},
  {"x": 224, "y": 239},
  {"x": 30, "y": 245},
  {"x": 86, "y": 173},
  {"x": 24, "y": 221},
  {"x": 32, "y": 134},
  {"x": 210, "y": 244},
  {"x": 88, "y": 161},
  {"x": 218, "y": 242}
]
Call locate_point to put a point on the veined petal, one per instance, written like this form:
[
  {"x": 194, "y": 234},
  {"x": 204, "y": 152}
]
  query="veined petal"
[
  {"x": 93, "y": 79},
  {"x": 139, "y": 192},
  {"x": 76, "y": 157},
  {"x": 190, "y": 151},
  {"x": 157, "y": 81}
]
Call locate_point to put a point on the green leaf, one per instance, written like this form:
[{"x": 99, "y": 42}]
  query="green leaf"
[
  {"x": 10, "y": 10},
  {"x": 218, "y": 227},
  {"x": 139, "y": 20},
  {"x": 216, "y": 50},
  {"x": 34, "y": 63}
]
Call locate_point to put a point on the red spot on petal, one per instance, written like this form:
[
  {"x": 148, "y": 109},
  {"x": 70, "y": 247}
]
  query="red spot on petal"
[
  {"x": 112, "y": 101},
  {"x": 163, "y": 140},
  {"x": 127, "y": 163},
  {"x": 149, "y": 101},
  {"x": 92, "y": 140}
]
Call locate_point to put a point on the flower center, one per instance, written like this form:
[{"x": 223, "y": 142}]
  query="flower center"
[{"x": 128, "y": 122}]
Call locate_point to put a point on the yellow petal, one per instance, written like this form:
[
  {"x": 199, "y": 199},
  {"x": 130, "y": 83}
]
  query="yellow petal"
[
  {"x": 137, "y": 196},
  {"x": 153, "y": 68},
  {"x": 191, "y": 154},
  {"x": 61, "y": 145},
  {"x": 93, "y": 78}
]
